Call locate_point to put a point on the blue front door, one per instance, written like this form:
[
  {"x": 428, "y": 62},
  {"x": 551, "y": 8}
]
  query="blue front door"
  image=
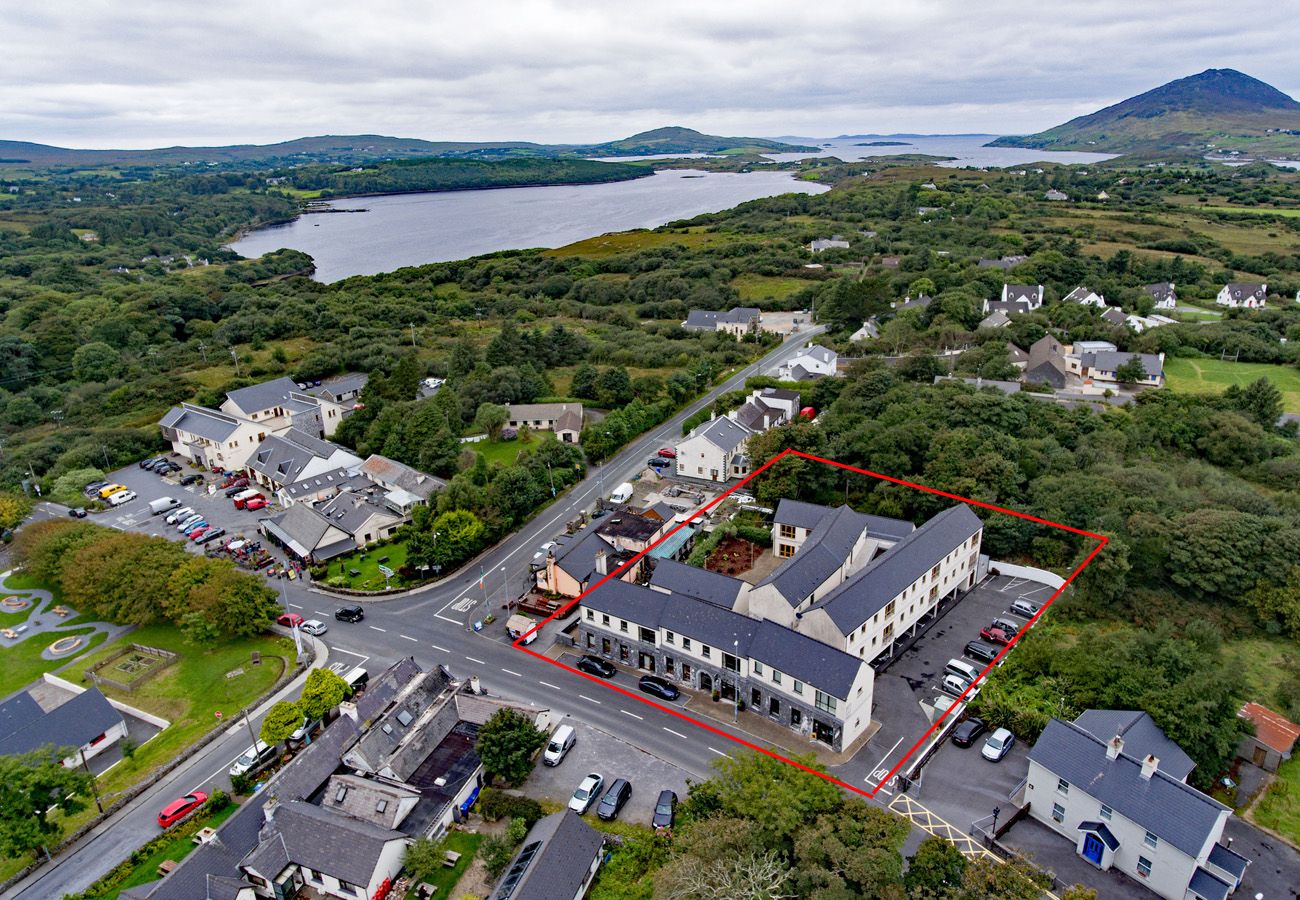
[{"x": 1092, "y": 849}]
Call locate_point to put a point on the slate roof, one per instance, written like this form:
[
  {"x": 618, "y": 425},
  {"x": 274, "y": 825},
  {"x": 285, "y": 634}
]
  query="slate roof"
[
  {"x": 996, "y": 319},
  {"x": 336, "y": 480},
  {"x": 805, "y": 658},
  {"x": 257, "y": 397},
  {"x": 206, "y": 423},
  {"x": 566, "y": 416},
  {"x": 1115, "y": 316},
  {"x": 711, "y": 587},
  {"x": 1239, "y": 289},
  {"x": 1029, "y": 293},
  {"x": 554, "y": 861},
  {"x": 758, "y": 416},
  {"x": 1209, "y": 886},
  {"x": 1111, "y": 360},
  {"x": 390, "y": 471},
  {"x": 1141, "y": 735},
  {"x": 337, "y": 845},
  {"x": 722, "y": 433},
  {"x": 383, "y": 690},
  {"x": 1271, "y": 729},
  {"x": 1228, "y": 860},
  {"x": 303, "y": 776},
  {"x": 208, "y": 872},
  {"x": 1100, "y": 829},
  {"x": 799, "y": 373},
  {"x": 824, "y": 551},
  {"x": 819, "y": 353},
  {"x": 283, "y": 457},
  {"x": 867, "y": 591},
  {"x": 578, "y": 558},
  {"x": 709, "y": 319},
  {"x": 362, "y": 798},
  {"x": 800, "y": 514},
  {"x": 1080, "y": 295},
  {"x": 76, "y": 722},
  {"x": 335, "y": 388},
  {"x": 1007, "y": 307},
  {"x": 1161, "y": 290},
  {"x": 351, "y": 510},
  {"x": 919, "y": 302},
  {"x": 303, "y": 525},
  {"x": 1016, "y": 355},
  {"x": 1161, "y": 804},
  {"x": 18, "y": 712}
]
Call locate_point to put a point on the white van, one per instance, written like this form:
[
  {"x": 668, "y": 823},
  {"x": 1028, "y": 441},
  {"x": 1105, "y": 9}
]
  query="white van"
[
  {"x": 962, "y": 670},
  {"x": 121, "y": 497},
  {"x": 162, "y": 504},
  {"x": 518, "y": 625},
  {"x": 622, "y": 493},
  {"x": 357, "y": 679},
  {"x": 560, "y": 744}
]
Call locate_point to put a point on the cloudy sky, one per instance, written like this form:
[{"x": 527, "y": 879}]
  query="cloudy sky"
[{"x": 112, "y": 73}]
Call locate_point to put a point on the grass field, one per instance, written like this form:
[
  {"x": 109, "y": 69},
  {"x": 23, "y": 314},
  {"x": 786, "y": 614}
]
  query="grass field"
[
  {"x": 631, "y": 241},
  {"x": 1254, "y": 210},
  {"x": 22, "y": 664},
  {"x": 752, "y": 287},
  {"x": 1214, "y": 376},
  {"x": 1279, "y": 808},
  {"x": 504, "y": 452}
]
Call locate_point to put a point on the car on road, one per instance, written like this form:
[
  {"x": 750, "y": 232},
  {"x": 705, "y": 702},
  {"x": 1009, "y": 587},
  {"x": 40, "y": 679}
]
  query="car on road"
[
  {"x": 998, "y": 745},
  {"x": 349, "y": 614},
  {"x": 615, "y": 798},
  {"x": 181, "y": 807},
  {"x": 314, "y": 626},
  {"x": 77, "y": 512},
  {"x": 256, "y": 757},
  {"x": 995, "y": 635},
  {"x": 665, "y": 810},
  {"x": 967, "y": 732},
  {"x": 211, "y": 535},
  {"x": 587, "y": 793},
  {"x": 179, "y": 515},
  {"x": 668, "y": 452},
  {"x": 653, "y": 684},
  {"x": 256, "y": 503},
  {"x": 594, "y": 665},
  {"x": 289, "y": 620}
]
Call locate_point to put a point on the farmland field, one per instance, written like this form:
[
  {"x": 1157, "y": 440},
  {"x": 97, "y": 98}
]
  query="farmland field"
[{"x": 1214, "y": 376}]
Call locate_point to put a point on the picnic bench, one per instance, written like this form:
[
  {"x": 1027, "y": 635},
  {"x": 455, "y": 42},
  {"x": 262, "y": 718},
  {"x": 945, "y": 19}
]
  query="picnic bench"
[
  {"x": 450, "y": 858},
  {"x": 204, "y": 835},
  {"x": 166, "y": 866},
  {"x": 61, "y": 611}
]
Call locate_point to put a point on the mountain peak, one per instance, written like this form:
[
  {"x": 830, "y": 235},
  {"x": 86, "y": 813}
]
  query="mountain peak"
[{"x": 1214, "y": 90}]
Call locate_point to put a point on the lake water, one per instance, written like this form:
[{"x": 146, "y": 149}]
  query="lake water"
[
  {"x": 968, "y": 150},
  {"x": 414, "y": 229}
]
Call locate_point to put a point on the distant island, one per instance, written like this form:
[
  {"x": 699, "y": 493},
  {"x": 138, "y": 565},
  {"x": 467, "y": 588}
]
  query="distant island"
[
  {"x": 883, "y": 144},
  {"x": 1216, "y": 111}
]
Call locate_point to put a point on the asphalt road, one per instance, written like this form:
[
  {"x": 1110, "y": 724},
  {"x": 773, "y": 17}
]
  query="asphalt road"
[{"x": 431, "y": 624}]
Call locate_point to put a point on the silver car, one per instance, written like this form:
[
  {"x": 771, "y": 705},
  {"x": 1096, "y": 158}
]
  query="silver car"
[{"x": 314, "y": 626}]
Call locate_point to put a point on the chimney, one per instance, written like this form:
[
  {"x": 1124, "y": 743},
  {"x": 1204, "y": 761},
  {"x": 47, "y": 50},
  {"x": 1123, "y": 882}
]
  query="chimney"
[
  {"x": 1115, "y": 747},
  {"x": 349, "y": 709},
  {"x": 767, "y": 421},
  {"x": 602, "y": 567},
  {"x": 1149, "y": 766}
]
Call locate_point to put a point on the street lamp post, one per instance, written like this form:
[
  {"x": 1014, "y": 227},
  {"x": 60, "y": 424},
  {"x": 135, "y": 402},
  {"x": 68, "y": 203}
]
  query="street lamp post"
[
  {"x": 551, "y": 475},
  {"x": 736, "y": 705}
]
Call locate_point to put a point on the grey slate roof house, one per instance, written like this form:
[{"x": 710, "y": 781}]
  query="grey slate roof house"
[
  {"x": 835, "y": 242},
  {"x": 557, "y": 861},
  {"x": 1248, "y": 294},
  {"x": 714, "y": 450},
  {"x": 738, "y": 321},
  {"x": 87, "y": 723},
  {"x": 1023, "y": 293},
  {"x": 396, "y": 476},
  {"x": 1163, "y": 293},
  {"x": 1004, "y": 263},
  {"x": 1046, "y": 363},
  {"x": 1103, "y": 365},
  {"x": 996, "y": 319},
  {"x": 282, "y": 459},
  {"x": 564, "y": 419},
  {"x": 1115, "y": 316}
]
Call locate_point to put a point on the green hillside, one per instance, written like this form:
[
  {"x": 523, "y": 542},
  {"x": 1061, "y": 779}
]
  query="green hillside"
[
  {"x": 676, "y": 139},
  {"x": 1219, "y": 108}
]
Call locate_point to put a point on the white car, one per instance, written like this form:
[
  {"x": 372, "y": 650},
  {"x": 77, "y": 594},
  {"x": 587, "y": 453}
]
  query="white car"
[
  {"x": 314, "y": 626},
  {"x": 255, "y": 757},
  {"x": 188, "y": 521},
  {"x": 183, "y": 513},
  {"x": 587, "y": 793},
  {"x": 120, "y": 498},
  {"x": 998, "y": 745},
  {"x": 543, "y": 550}
]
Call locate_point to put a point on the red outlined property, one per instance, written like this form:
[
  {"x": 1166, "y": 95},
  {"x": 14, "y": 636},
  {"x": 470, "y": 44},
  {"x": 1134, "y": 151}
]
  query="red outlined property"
[{"x": 934, "y": 727}]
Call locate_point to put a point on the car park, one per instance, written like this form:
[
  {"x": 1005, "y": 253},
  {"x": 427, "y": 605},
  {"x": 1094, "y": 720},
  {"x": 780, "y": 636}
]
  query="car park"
[
  {"x": 349, "y": 614},
  {"x": 77, "y": 512},
  {"x": 614, "y": 800},
  {"x": 968, "y": 732},
  {"x": 182, "y": 524},
  {"x": 179, "y": 515},
  {"x": 240, "y": 485},
  {"x": 658, "y": 462},
  {"x": 668, "y": 452},
  {"x": 151, "y": 461},
  {"x": 200, "y": 524},
  {"x": 162, "y": 504},
  {"x": 198, "y": 533},
  {"x": 256, "y": 503},
  {"x": 995, "y": 635},
  {"x": 181, "y": 807},
  {"x": 982, "y": 651},
  {"x": 587, "y": 793},
  {"x": 1026, "y": 608},
  {"x": 998, "y": 745},
  {"x": 653, "y": 684},
  {"x": 594, "y": 665},
  {"x": 166, "y": 467},
  {"x": 121, "y": 498},
  {"x": 943, "y": 703},
  {"x": 289, "y": 620},
  {"x": 665, "y": 810},
  {"x": 255, "y": 758},
  {"x": 314, "y": 626},
  {"x": 962, "y": 669},
  {"x": 92, "y": 489}
]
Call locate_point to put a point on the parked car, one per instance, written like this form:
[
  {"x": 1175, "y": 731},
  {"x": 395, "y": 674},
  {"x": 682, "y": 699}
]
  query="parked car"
[
  {"x": 995, "y": 635},
  {"x": 668, "y": 452},
  {"x": 178, "y": 809},
  {"x": 744, "y": 499},
  {"x": 162, "y": 504},
  {"x": 594, "y": 665},
  {"x": 561, "y": 743},
  {"x": 314, "y": 626},
  {"x": 237, "y": 488},
  {"x": 77, "y": 512},
  {"x": 121, "y": 498},
  {"x": 109, "y": 490},
  {"x": 653, "y": 684},
  {"x": 178, "y": 515},
  {"x": 303, "y": 731},
  {"x": 615, "y": 798},
  {"x": 151, "y": 461},
  {"x": 658, "y": 462},
  {"x": 289, "y": 620},
  {"x": 182, "y": 524},
  {"x": 546, "y": 548},
  {"x": 1026, "y": 608},
  {"x": 256, "y": 757},
  {"x": 943, "y": 703},
  {"x": 166, "y": 467},
  {"x": 665, "y": 810},
  {"x": 998, "y": 745},
  {"x": 190, "y": 529},
  {"x": 191, "y": 479},
  {"x": 586, "y": 794},
  {"x": 956, "y": 686},
  {"x": 92, "y": 489},
  {"x": 211, "y": 535},
  {"x": 982, "y": 651},
  {"x": 349, "y": 614},
  {"x": 1009, "y": 628},
  {"x": 199, "y": 532},
  {"x": 256, "y": 503},
  {"x": 966, "y": 733}
]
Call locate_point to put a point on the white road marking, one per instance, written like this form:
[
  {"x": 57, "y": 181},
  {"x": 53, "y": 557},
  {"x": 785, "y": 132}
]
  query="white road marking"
[
  {"x": 549, "y": 685},
  {"x": 589, "y": 699},
  {"x": 719, "y": 752},
  {"x": 678, "y": 733},
  {"x": 473, "y": 660},
  {"x": 350, "y": 652},
  {"x": 881, "y": 770},
  {"x": 407, "y": 637},
  {"x": 318, "y": 612},
  {"x": 377, "y": 628},
  {"x": 633, "y": 715},
  {"x": 512, "y": 672},
  {"x": 436, "y": 647}
]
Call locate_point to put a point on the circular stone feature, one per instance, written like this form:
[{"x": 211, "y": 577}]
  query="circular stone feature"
[
  {"x": 64, "y": 645},
  {"x": 15, "y": 603}
]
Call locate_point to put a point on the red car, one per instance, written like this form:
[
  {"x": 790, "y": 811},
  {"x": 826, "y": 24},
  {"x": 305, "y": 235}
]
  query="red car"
[
  {"x": 668, "y": 453},
  {"x": 995, "y": 634},
  {"x": 289, "y": 620},
  {"x": 256, "y": 503},
  {"x": 199, "y": 532},
  {"x": 178, "y": 809}
]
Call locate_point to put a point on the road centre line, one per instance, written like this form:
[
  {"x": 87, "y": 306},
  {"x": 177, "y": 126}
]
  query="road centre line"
[
  {"x": 589, "y": 699},
  {"x": 473, "y": 660},
  {"x": 377, "y": 628},
  {"x": 633, "y": 715},
  {"x": 407, "y": 637},
  {"x": 511, "y": 672},
  {"x": 436, "y": 647},
  {"x": 678, "y": 733},
  {"x": 719, "y": 752},
  {"x": 549, "y": 685}
]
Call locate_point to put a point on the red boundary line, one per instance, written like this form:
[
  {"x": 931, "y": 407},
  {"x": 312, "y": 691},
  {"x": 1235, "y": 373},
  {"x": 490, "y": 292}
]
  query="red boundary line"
[{"x": 518, "y": 644}]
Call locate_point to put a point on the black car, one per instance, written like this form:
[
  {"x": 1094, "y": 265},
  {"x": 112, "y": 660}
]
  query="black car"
[
  {"x": 191, "y": 479},
  {"x": 211, "y": 535},
  {"x": 968, "y": 732},
  {"x": 665, "y": 810},
  {"x": 77, "y": 512},
  {"x": 982, "y": 650},
  {"x": 594, "y": 665},
  {"x": 618, "y": 794},
  {"x": 159, "y": 464},
  {"x": 653, "y": 684},
  {"x": 350, "y": 614},
  {"x": 166, "y": 466}
]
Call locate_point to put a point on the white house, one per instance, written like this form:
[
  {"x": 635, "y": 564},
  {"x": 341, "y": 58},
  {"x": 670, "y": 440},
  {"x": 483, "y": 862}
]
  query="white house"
[
  {"x": 1163, "y": 293},
  {"x": 737, "y": 322},
  {"x": 88, "y": 723},
  {"x": 564, "y": 419},
  {"x": 714, "y": 450},
  {"x": 812, "y": 362},
  {"x": 1028, "y": 294},
  {"x": 1054, "y": 194},
  {"x": 822, "y": 244},
  {"x": 1103, "y": 366},
  {"x": 1100, "y": 782},
  {"x": 207, "y": 437},
  {"x": 282, "y": 459},
  {"x": 1085, "y": 297},
  {"x": 1243, "y": 294}
]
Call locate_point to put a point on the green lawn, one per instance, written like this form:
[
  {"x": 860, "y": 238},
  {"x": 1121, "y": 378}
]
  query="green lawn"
[
  {"x": 1254, "y": 210},
  {"x": 1268, "y": 665},
  {"x": 1214, "y": 376},
  {"x": 504, "y": 452},
  {"x": 466, "y": 844},
  {"x": 22, "y": 664},
  {"x": 1186, "y": 313},
  {"x": 370, "y": 578},
  {"x": 1279, "y": 808},
  {"x": 752, "y": 287},
  {"x": 177, "y": 849}
]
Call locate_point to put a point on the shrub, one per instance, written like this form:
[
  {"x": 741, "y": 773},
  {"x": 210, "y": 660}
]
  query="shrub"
[{"x": 494, "y": 804}]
